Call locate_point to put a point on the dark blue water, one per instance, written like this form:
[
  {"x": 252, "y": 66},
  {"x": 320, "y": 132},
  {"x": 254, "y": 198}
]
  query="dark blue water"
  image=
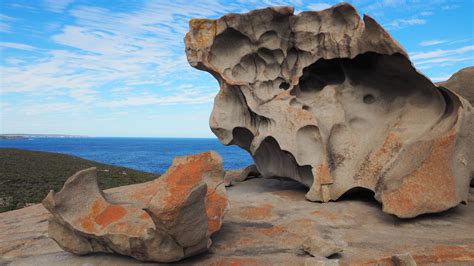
[{"x": 147, "y": 154}]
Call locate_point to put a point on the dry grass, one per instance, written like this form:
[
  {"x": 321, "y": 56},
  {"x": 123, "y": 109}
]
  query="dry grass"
[{"x": 27, "y": 176}]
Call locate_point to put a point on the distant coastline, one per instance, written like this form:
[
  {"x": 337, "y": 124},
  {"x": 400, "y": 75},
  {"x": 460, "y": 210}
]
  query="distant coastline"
[{"x": 28, "y": 136}]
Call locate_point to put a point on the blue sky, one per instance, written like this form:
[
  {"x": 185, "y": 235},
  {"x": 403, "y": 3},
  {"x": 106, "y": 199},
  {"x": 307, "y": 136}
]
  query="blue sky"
[{"x": 118, "y": 68}]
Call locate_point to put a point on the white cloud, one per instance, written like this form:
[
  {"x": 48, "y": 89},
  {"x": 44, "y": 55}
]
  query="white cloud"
[
  {"x": 105, "y": 50},
  {"x": 402, "y": 23},
  {"x": 37, "y": 109},
  {"x": 449, "y": 7},
  {"x": 442, "y": 57},
  {"x": 445, "y": 42},
  {"x": 432, "y": 42},
  {"x": 318, "y": 6},
  {"x": 426, "y": 13},
  {"x": 57, "y": 5},
  {"x": 380, "y": 5},
  {"x": 146, "y": 99},
  {"x": 441, "y": 52},
  {"x": 19, "y": 46},
  {"x": 5, "y": 23}
]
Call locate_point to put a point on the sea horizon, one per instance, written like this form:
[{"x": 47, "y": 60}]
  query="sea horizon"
[
  {"x": 39, "y": 135},
  {"x": 149, "y": 154}
]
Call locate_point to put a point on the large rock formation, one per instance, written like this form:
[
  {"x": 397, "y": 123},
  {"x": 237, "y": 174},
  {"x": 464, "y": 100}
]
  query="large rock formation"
[
  {"x": 164, "y": 220},
  {"x": 462, "y": 82},
  {"x": 333, "y": 102}
]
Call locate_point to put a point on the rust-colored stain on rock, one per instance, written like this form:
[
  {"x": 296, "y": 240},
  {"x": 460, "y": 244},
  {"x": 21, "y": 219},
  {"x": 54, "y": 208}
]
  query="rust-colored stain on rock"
[
  {"x": 190, "y": 173},
  {"x": 430, "y": 186},
  {"x": 373, "y": 165},
  {"x": 323, "y": 175},
  {"x": 117, "y": 222},
  {"x": 273, "y": 231},
  {"x": 204, "y": 32},
  {"x": 111, "y": 214},
  {"x": 257, "y": 213},
  {"x": 215, "y": 208},
  {"x": 443, "y": 254},
  {"x": 325, "y": 214},
  {"x": 235, "y": 262}
]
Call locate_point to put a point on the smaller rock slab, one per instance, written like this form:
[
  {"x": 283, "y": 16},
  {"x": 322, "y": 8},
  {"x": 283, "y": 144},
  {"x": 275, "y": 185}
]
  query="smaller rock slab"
[{"x": 163, "y": 220}]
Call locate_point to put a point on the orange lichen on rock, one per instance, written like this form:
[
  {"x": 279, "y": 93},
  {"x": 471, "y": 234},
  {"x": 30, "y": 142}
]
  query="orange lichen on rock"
[
  {"x": 205, "y": 31},
  {"x": 443, "y": 254},
  {"x": 436, "y": 255},
  {"x": 323, "y": 175},
  {"x": 86, "y": 223},
  {"x": 431, "y": 186},
  {"x": 176, "y": 209},
  {"x": 216, "y": 205},
  {"x": 374, "y": 164},
  {"x": 111, "y": 214},
  {"x": 328, "y": 215},
  {"x": 274, "y": 230},
  {"x": 261, "y": 212},
  {"x": 334, "y": 107},
  {"x": 235, "y": 262},
  {"x": 180, "y": 179}
]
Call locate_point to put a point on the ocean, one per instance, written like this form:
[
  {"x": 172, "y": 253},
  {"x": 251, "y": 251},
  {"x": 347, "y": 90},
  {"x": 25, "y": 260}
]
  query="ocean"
[{"x": 152, "y": 155}]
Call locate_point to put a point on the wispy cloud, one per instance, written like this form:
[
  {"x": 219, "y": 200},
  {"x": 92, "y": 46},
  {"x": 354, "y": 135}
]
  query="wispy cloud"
[
  {"x": 378, "y": 5},
  {"x": 318, "y": 6},
  {"x": 449, "y": 7},
  {"x": 36, "y": 109},
  {"x": 402, "y": 23},
  {"x": 444, "y": 42},
  {"x": 19, "y": 46},
  {"x": 5, "y": 23},
  {"x": 147, "y": 99},
  {"x": 432, "y": 42},
  {"x": 112, "y": 49},
  {"x": 442, "y": 57},
  {"x": 441, "y": 52},
  {"x": 57, "y": 5}
]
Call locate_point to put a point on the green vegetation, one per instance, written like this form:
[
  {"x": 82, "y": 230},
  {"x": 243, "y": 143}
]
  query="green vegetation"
[{"x": 27, "y": 176}]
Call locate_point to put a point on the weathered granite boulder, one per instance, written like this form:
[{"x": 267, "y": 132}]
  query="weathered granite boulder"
[
  {"x": 164, "y": 220},
  {"x": 332, "y": 101}
]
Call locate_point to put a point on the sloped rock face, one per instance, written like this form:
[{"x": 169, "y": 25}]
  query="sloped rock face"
[
  {"x": 164, "y": 220},
  {"x": 462, "y": 82},
  {"x": 333, "y": 102}
]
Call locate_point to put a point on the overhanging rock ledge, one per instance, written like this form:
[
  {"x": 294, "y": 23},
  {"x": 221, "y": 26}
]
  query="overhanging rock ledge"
[{"x": 332, "y": 101}]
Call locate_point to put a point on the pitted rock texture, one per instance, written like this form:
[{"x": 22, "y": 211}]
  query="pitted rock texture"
[
  {"x": 164, "y": 220},
  {"x": 332, "y": 101}
]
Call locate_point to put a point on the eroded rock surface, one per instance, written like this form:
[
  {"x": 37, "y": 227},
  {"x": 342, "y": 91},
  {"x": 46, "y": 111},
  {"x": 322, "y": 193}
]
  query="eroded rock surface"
[
  {"x": 462, "y": 82},
  {"x": 233, "y": 177},
  {"x": 266, "y": 225},
  {"x": 332, "y": 101},
  {"x": 164, "y": 220}
]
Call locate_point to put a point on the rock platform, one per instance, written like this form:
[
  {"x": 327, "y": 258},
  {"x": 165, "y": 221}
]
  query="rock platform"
[{"x": 267, "y": 223}]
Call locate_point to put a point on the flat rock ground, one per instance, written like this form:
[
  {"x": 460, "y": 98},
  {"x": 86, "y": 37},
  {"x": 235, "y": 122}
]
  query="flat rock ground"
[{"x": 266, "y": 224}]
